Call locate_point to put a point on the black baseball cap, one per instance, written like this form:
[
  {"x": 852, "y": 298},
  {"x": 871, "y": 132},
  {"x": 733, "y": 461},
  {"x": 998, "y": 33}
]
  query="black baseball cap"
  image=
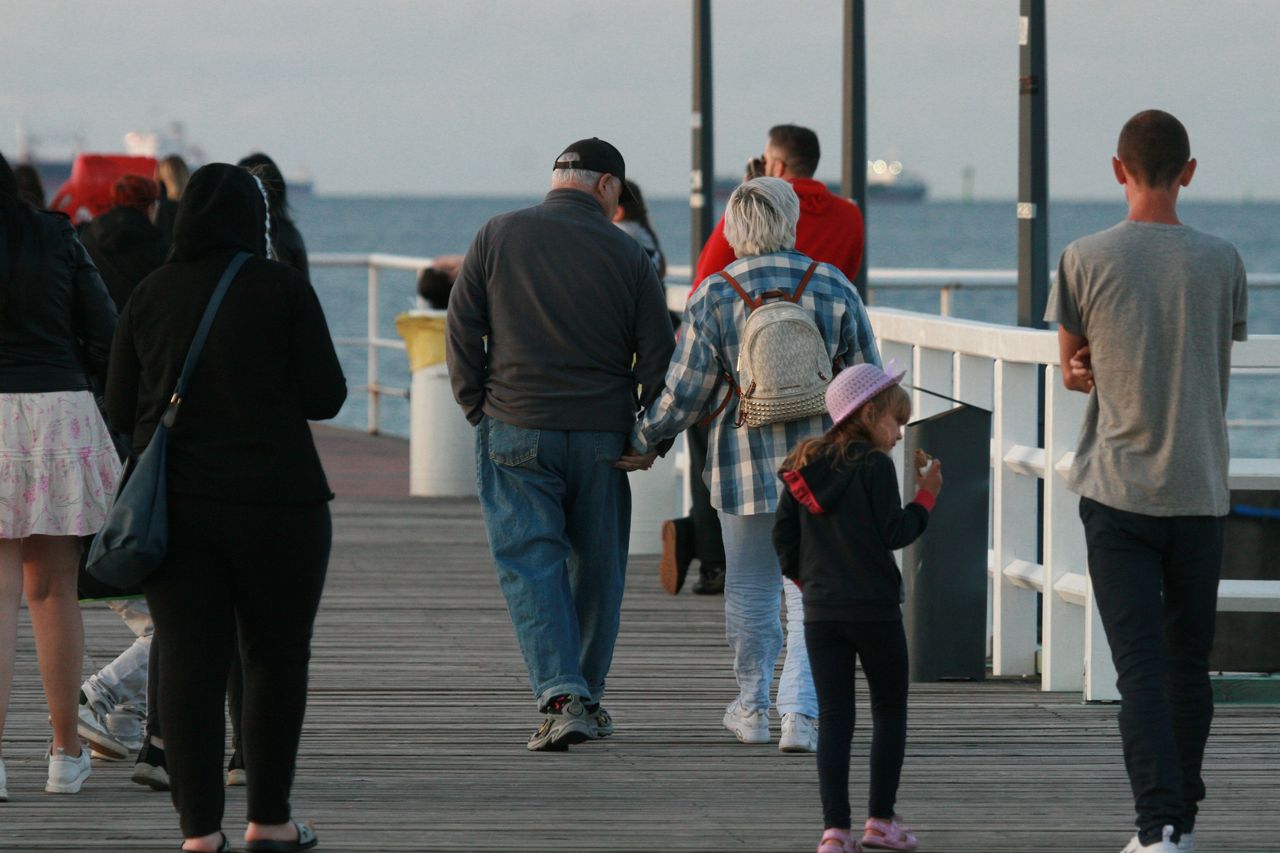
[{"x": 596, "y": 155}]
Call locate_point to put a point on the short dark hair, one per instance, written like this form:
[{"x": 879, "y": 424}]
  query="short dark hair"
[
  {"x": 434, "y": 286},
  {"x": 1154, "y": 148},
  {"x": 800, "y": 145}
]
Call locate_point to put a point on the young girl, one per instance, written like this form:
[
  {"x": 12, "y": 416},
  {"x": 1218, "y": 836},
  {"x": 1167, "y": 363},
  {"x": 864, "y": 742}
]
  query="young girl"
[{"x": 838, "y": 524}]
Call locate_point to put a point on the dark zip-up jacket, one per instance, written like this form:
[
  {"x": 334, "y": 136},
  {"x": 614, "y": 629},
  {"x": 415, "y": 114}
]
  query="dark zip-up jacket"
[
  {"x": 56, "y": 326},
  {"x": 837, "y": 527},
  {"x": 574, "y": 317}
]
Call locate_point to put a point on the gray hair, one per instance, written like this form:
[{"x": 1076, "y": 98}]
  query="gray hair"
[
  {"x": 581, "y": 178},
  {"x": 761, "y": 217}
]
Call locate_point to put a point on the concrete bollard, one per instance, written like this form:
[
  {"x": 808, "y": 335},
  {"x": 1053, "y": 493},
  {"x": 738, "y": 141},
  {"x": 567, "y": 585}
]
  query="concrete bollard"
[
  {"x": 656, "y": 495},
  {"x": 442, "y": 458}
]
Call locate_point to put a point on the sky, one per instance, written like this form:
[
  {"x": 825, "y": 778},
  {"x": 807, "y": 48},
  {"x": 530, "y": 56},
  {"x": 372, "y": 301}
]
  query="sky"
[{"x": 477, "y": 97}]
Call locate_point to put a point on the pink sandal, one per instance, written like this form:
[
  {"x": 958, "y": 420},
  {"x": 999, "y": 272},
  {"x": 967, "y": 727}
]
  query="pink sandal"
[
  {"x": 888, "y": 835},
  {"x": 839, "y": 841}
]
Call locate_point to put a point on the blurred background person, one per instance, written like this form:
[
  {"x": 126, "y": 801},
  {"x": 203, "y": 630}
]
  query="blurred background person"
[
  {"x": 172, "y": 174},
  {"x": 59, "y": 467},
  {"x": 30, "y": 187},
  {"x": 124, "y": 242},
  {"x": 286, "y": 241}
]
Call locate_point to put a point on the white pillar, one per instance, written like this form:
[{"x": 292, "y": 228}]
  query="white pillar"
[{"x": 442, "y": 457}]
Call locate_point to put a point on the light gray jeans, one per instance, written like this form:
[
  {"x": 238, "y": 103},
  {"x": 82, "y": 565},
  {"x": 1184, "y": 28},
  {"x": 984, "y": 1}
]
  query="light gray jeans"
[
  {"x": 124, "y": 680},
  {"x": 753, "y": 592}
]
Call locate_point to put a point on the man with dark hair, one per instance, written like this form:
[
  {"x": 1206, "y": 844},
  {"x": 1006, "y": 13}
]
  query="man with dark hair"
[
  {"x": 830, "y": 230},
  {"x": 557, "y": 336},
  {"x": 1147, "y": 312}
]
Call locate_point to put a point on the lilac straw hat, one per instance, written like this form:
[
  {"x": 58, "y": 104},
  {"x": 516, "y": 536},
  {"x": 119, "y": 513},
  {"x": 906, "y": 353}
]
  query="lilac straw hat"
[{"x": 855, "y": 385}]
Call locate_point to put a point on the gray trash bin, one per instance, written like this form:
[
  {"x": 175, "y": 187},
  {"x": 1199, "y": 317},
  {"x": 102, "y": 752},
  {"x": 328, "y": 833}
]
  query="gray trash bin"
[{"x": 945, "y": 570}]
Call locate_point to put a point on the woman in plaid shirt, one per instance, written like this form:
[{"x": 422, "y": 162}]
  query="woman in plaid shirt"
[{"x": 742, "y": 462}]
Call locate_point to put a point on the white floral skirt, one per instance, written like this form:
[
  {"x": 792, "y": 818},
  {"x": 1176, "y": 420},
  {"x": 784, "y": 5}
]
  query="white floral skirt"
[{"x": 58, "y": 467}]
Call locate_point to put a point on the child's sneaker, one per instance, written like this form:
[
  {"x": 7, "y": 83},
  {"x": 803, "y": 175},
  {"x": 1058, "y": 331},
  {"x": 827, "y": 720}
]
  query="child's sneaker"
[
  {"x": 748, "y": 726},
  {"x": 838, "y": 841},
  {"x": 1163, "y": 845},
  {"x": 67, "y": 773},
  {"x": 150, "y": 769},
  {"x": 880, "y": 834}
]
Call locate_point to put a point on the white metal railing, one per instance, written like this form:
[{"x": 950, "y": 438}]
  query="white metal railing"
[
  {"x": 997, "y": 368},
  {"x": 994, "y": 367}
]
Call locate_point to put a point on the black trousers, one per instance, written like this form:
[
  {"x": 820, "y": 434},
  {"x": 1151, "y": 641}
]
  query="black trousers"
[
  {"x": 1156, "y": 583},
  {"x": 833, "y": 650},
  {"x": 706, "y": 523},
  {"x": 259, "y": 569}
]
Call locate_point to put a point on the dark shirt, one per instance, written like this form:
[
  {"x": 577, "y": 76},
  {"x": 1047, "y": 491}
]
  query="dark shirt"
[
  {"x": 126, "y": 248},
  {"x": 288, "y": 245},
  {"x": 56, "y": 325},
  {"x": 574, "y": 315},
  {"x": 837, "y": 527}
]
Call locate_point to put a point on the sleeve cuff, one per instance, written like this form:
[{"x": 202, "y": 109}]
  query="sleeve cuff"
[
  {"x": 925, "y": 499},
  {"x": 637, "y": 441}
]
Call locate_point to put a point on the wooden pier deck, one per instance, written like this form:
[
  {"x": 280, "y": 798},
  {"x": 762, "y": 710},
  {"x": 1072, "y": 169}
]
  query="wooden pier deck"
[{"x": 419, "y": 710}]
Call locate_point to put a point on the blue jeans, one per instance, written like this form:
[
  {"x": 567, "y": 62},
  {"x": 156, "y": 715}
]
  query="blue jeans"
[
  {"x": 558, "y": 515},
  {"x": 1156, "y": 583},
  {"x": 753, "y": 595}
]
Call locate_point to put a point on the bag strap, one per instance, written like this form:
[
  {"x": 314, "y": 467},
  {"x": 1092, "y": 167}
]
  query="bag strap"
[
  {"x": 202, "y": 334},
  {"x": 804, "y": 282}
]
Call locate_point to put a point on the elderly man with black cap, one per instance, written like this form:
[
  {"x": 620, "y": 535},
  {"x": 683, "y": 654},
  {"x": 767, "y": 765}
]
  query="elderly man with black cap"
[{"x": 558, "y": 335}]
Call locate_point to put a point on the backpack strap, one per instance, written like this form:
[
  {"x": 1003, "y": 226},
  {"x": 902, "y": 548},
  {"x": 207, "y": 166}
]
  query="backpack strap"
[
  {"x": 752, "y": 304},
  {"x": 804, "y": 282},
  {"x": 730, "y": 392}
]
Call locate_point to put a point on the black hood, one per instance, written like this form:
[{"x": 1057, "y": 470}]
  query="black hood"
[
  {"x": 123, "y": 229},
  {"x": 221, "y": 210},
  {"x": 819, "y": 485}
]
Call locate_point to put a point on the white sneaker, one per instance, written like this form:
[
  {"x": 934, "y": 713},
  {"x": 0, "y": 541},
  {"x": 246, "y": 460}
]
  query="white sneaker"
[
  {"x": 748, "y": 726},
  {"x": 93, "y": 728},
  {"x": 799, "y": 733},
  {"x": 67, "y": 774},
  {"x": 4, "y": 790},
  {"x": 1164, "y": 845}
]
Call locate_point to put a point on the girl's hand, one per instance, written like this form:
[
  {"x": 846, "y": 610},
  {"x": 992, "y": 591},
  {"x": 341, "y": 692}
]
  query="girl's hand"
[{"x": 931, "y": 479}]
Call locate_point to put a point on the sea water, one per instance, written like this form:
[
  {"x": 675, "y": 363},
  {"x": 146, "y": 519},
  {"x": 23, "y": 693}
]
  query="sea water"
[{"x": 942, "y": 234}]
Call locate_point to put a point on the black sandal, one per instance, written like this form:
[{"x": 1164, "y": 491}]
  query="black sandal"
[
  {"x": 224, "y": 847},
  {"x": 305, "y": 841}
]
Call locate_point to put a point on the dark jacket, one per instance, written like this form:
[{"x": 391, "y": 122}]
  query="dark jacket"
[
  {"x": 289, "y": 248},
  {"x": 574, "y": 315},
  {"x": 55, "y": 329},
  {"x": 269, "y": 365},
  {"x": 126, "y": 248},
  {"x": 837, "y": 527}
]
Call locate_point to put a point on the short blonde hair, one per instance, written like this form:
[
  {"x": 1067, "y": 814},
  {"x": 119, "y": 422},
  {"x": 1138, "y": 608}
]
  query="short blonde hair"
[{"x": 761, "y": 217}]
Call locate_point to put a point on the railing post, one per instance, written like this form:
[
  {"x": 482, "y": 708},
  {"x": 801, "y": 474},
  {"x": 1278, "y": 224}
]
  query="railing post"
[
  {"x": 1062, "y": 628},
  {"x": 373, "y": 349},
  {"x": 1016, "y": 522}
]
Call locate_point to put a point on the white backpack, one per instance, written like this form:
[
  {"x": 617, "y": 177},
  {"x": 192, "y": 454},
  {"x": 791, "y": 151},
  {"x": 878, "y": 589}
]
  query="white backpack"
[{"x": 783, "y": 365}]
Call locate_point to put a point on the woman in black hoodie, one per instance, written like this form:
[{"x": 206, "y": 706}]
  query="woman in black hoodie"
[
  {"x": 839, "y": 522},
  {"x": 249, "y": 528}
]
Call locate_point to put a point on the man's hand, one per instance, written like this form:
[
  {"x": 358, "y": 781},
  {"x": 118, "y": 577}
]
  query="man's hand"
[
  {"x": 1081, "y": 370},
  {"x": 633, "y": 461}
]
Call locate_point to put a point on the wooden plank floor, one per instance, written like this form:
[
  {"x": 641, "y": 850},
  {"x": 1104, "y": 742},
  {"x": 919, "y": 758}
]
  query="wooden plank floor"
[{"x": 419, "y": 710}]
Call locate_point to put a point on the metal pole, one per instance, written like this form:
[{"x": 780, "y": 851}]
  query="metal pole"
[
  {"x": 853, "y": 156},
  {"x": 702, "y": 175},
  {"x": 1033, "y": 167},
  {"x": 372, "y": 332}
]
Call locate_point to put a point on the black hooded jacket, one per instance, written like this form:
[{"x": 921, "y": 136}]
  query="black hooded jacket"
[
  {"x": 125, "y": 248},
  {"x": 837, "y": 527},
  {"x": 269, "y": 366}
]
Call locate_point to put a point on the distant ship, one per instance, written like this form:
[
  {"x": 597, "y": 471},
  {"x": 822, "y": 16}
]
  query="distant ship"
[
  {"x": 55, "y": 170},
  {"x": 886, "y": 181}
]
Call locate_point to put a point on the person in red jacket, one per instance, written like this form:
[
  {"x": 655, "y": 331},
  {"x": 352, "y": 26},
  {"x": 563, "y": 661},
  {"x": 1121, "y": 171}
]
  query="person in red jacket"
[{"x": 830, "y": 230}]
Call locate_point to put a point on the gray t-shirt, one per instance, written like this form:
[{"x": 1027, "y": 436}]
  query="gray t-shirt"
[{"x": 1159, "y": 305}]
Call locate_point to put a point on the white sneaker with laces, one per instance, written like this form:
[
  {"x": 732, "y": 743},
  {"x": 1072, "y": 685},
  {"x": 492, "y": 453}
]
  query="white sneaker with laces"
[
  {"x": 799, "y": 733},
  {"x": 748, "y": 726},
  {"x": 93, "y": 728},
  {"x": 67, "y": 773},
  {"x": 1164, "y": 845}
]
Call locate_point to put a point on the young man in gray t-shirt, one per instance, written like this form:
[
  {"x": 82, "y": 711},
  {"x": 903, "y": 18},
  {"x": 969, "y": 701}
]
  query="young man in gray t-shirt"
[{"x": 1147, "y": 312}]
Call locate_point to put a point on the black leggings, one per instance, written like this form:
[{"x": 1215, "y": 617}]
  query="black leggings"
[
  {"x": 260, "y": 568},
  {"x": 882, "y": 647}
]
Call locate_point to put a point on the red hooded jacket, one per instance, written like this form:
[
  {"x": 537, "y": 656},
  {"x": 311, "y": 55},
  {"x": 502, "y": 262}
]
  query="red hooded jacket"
[{"x": 830, "y": 230}]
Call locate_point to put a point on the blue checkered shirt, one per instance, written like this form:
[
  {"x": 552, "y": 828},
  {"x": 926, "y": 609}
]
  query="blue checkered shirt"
[{"x": 742, "y": 462}]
